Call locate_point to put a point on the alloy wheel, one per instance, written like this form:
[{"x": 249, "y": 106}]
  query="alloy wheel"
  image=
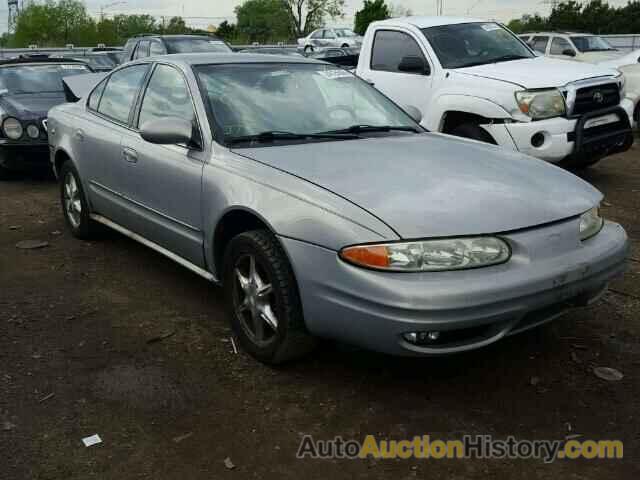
[
  {"x": 254, "y": 300},
  {"x": 72, "y": 201}
]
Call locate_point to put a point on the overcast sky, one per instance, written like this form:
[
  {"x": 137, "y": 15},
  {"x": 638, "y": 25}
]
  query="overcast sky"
[{"x": 202, "y": 13}]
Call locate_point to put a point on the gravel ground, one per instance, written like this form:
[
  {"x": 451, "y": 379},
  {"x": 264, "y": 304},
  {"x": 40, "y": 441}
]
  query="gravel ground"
[{"x": 111, "y": 338}]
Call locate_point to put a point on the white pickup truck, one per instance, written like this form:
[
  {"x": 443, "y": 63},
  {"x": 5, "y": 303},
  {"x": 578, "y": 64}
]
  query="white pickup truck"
[{"x": 476, "y": 79}]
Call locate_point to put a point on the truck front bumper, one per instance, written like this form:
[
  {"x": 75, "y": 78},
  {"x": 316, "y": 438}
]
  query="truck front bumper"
[{"x": 568, "y": 138}]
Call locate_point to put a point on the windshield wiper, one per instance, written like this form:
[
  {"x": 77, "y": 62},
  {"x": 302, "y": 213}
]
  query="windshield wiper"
[
  {"x": 356, "y": 129},
  {"x": 271, "y": 136}
]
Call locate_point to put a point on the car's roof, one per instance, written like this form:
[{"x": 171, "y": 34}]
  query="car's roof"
[
  {"x": 153, "y": 35},
  {"x": 222, "y": 58},
  {"x": 426, "y": 22}
]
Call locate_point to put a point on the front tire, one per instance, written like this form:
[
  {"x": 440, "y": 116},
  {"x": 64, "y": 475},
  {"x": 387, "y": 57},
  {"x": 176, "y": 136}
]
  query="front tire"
[
  {"x": 75, "y": 207},
  {"x": 308, "y": 49},
  {"x": 263, "y": 300}
]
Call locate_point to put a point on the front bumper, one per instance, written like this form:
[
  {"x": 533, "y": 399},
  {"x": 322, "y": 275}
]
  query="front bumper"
[
  {"x": 24, "y": 157},
  {"x": 549, "y": 272},
  {"x": 560, "y": 136}
]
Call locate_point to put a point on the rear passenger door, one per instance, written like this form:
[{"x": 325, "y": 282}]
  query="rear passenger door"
[
  {"x": 110, "y": 107},
  {"x": 166, "y": 180}
]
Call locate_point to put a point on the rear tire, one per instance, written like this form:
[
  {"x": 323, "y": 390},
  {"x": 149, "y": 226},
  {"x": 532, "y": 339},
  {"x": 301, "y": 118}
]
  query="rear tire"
[
  {"x": 263, "y": 300},
  {"x": 474, "y": 132},
  {"x": 75, "y": 207}
]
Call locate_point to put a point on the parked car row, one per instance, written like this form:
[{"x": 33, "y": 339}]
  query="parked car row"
[{"x": 323, "y": 206}]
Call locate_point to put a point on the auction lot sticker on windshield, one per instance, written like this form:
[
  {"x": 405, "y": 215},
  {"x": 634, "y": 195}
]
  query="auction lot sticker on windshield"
[
  {"x": 489, "y": 27},
  {"x": 333, "y": 74}
]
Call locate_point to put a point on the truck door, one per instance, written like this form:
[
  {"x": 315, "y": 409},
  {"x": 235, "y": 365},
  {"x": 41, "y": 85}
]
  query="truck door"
[{"x": 394, "y": 69}]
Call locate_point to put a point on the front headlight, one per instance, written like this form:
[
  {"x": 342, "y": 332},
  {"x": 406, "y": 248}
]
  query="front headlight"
[
  {"x": 590, "y": 223},
  {"x": 430, "y": 255},
  {"x": 12, "y": 128},
  {"x": 541, "y": 104}
]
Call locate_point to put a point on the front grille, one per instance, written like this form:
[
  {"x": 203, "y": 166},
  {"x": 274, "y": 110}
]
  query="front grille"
[{"x": 590, "y": 99}]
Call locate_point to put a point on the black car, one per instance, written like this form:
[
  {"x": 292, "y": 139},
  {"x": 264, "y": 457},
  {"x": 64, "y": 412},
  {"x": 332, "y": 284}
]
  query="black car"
[
  {"x": 151, "y": 45},
  {"x": 29, "y": 87}
]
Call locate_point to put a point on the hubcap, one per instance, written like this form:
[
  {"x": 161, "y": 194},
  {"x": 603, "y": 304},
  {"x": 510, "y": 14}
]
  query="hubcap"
[
  {"x": 253, "y": 300},
  {"x": 72, "y": 203}
]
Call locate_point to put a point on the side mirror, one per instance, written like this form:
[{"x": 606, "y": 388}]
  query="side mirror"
[
  {"x": 168, "y": 131},
  {"x": 569, "y": 53},
  {"x": 414, "y": 113},
  {"x": 413, "y": 64}
]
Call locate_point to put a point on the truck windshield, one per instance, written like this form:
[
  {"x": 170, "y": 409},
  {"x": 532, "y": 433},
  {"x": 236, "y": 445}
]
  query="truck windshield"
[
  {"x": 36, "y": 78},
  {"x": 470, "y": 44},
  {"x": 591, "y": 44},
  {"x": 289, "y": 99}
]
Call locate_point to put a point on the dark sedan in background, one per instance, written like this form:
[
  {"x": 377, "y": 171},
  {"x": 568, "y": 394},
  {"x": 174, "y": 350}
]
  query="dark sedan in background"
[{"x": 29, "y": 87}]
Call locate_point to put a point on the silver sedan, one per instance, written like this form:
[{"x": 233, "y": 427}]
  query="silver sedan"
[
  {"x": 324, "y": 209},
  {"x": 330, "y": 37}
]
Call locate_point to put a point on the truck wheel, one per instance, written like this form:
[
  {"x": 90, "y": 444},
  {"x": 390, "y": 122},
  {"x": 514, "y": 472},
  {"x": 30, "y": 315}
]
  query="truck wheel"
[
  {"x": 75, "y": 207},
  {"x": 263, "y": 300},
  {"x": 474, "y": 132}
]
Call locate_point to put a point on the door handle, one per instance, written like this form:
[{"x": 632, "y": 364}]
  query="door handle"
[
  {"x": 130, "y": 155},
  {"x": 79, "y": 134}
]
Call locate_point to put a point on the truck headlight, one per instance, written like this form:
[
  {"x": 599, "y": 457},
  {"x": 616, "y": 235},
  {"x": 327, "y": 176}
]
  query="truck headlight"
[
  {"x": 590, "y": 223},
  {"x": 12, "y": 128},
  {"x": 541, "y": 104},
  {"x": 430, "y": 255}
]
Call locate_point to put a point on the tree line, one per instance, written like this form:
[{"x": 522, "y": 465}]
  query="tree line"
[{"x": 594, "y": 16}]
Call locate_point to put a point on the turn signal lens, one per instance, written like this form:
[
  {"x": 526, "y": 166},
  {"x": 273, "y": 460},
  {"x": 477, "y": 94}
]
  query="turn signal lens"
[
  {"x": 375, "y": 256},
  {"x": 430, "y": 255}
]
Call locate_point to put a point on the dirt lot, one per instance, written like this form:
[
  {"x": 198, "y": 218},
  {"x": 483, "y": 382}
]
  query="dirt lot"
[{"x": 77, "y": 357}]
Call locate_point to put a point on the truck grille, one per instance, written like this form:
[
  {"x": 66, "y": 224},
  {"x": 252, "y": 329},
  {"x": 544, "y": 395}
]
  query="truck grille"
[{"x": 590, "y": 99}]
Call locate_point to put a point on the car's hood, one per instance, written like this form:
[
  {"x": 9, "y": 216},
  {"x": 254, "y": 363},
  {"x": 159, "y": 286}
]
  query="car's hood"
[
  {"x": 434, "y": 185},
  {"x": 538, "y": 72},
  {"x": 632, "y": 58},
  {"x": 26, "y": 106},
  {"x": 596, "y": 57}
]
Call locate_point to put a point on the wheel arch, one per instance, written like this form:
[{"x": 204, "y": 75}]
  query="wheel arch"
[
  {"x": 234, "y": 221},
  {"x": 452, "y": 108},
  {"x": 60, "y": 156}
]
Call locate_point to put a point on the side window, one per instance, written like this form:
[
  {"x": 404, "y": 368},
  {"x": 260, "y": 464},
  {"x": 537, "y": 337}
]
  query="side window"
[
  {"x": 389, "y": 47},
  {"x": 143, "y": 50},
  {"x": 94, "y": 98},
  {"x": 317, "y": 34},
  {"x": 329, "y": 34},
  {"x": 167, "y": 95},
  {"x": 539, "y": 44},
  {"x": 120, "y": 92},
  {"x": 157, "y": 48},
  {"x": 559, "y": 45}
]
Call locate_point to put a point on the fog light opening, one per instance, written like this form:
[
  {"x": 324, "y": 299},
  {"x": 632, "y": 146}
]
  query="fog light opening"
[{"x": 538, "y": 140}]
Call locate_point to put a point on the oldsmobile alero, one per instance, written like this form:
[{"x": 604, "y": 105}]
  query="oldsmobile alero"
[{"x": 324, "y": 209}]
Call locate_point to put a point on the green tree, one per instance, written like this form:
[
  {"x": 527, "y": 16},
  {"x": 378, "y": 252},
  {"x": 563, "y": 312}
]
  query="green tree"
[
  {"x": 227, "y": 31},
  {"x": 371, "y": 11},
  {"x": 307, "y": 15},
  {"x": 176, "y": 26},
  {"x": 263, "y": 21}
]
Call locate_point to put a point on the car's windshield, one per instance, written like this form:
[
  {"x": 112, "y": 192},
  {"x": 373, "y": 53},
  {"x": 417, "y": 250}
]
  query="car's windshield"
[
  {"x": 36, "y": 78},
  {"x": 591, "y": 44},
  {"x": 344, "y": 32},
  {"x": 302, "y": 99},
  {"x": 196, "y": 45},
  {"x": 469, "y": 44}
]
